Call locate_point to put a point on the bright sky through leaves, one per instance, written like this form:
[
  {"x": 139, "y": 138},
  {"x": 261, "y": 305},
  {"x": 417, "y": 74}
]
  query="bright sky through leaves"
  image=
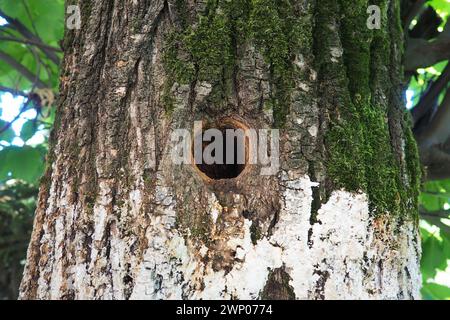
[{"x": 10, "y": 107}]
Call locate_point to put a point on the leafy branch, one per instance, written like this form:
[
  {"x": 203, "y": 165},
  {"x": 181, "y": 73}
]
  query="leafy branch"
[{"x": 426, "y": 46}]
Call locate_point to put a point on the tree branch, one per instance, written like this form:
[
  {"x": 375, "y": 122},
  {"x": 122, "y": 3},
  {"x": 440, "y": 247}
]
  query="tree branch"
[
  {"x": 413, "y": 12},
  {"x": 437, "y": 222},
  {"x": 14, "y": 92},
  {"x": 421, "y": 53},
  {"x": 426, "y": 102},
  {"x": 437, "y": 163},
  {"x": 34, "y": 43},
  {"x": 437, "y": 194},
  {"x": 441, "y": 214},
  {"x": 23, "y": 30},
  {"x": 437, "y": 132},
  {"x": 22, "y": 110},
  {"x": 21, "y": 69}
]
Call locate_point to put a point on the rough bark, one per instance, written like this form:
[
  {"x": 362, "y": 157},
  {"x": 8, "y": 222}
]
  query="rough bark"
[{"x": 116, "y": 219}]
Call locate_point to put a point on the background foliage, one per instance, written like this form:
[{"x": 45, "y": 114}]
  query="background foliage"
[
  {"x": 435, "y": 196},
  {"x": 26, "y": 115},
  {"x": 29, "y": 66}
]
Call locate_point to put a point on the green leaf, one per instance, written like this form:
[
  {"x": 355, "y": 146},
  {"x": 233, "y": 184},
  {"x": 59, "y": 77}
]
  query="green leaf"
[
  {"x": 442, "y": 7},
  {"x": 8, "y": 134},
  {"x": 433, "y": 257},
  {"x": 28, "y": 130},
  {"x": 431, "y": 198},
  {"x": 435, "y": 291},
  {"x": 425, "y": 234},
  {"x": 44, "y": 18},
  {"x": 445, "y": 244},
  {"x": 25, "y": 163}
]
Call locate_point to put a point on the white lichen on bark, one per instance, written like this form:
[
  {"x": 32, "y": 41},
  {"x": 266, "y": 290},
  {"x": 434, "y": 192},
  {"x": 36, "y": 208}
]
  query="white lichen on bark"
[{"x": 345, "y": 257}]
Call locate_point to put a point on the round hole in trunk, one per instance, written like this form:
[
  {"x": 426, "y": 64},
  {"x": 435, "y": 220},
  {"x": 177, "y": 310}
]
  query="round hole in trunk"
[{"x": 224, "y": 151}]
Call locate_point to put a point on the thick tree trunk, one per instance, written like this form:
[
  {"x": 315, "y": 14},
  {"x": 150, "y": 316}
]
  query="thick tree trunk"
[{"x": 118, "y": 219}]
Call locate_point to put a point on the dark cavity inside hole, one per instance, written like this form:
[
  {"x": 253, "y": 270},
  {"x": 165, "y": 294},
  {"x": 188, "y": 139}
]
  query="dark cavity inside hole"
[{"x": 217, "y": 171}]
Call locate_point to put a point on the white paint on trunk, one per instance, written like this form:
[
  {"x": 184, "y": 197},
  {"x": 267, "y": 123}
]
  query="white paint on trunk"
[
  {"x": 249, "y": 274},
  {"x": 345, "y": 255}
]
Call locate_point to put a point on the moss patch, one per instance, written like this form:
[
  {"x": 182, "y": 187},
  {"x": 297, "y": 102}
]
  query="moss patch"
[
  {"x": 209, "y": 47},
  {"x": 360, "y": 153}
]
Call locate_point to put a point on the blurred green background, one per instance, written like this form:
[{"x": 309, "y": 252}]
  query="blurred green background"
[{"x": 30, "y": 52}]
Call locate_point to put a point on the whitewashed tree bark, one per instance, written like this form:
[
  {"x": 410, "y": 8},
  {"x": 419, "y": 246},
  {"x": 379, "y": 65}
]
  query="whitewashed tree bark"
[{"x": 116, "y": 219}]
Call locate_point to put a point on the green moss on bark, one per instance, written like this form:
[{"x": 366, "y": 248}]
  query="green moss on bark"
[
  {"x": 344, "y": 140},
  {"x": 277, "y": 31},
  {"x": 361, "y": 155},
  {"x": 209, "y": 48}
]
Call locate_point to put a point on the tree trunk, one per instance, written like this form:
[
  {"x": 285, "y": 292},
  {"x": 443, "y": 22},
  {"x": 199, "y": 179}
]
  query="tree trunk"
[{"x": 118, "y": 219}]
